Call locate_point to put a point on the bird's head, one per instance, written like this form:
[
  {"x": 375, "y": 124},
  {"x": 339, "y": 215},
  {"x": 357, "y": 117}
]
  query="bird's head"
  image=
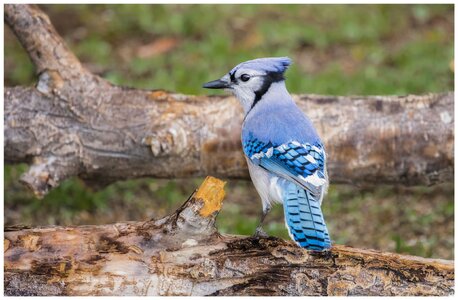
[{"x": 250, "y": 80}]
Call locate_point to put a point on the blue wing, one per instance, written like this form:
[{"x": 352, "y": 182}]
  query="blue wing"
[{"x": 303, "y": 164}]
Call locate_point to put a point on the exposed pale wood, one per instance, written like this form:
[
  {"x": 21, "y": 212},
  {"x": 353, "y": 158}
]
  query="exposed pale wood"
[
  {"x": 77, "y": 124},
  {"x": 183, "y": 254}
]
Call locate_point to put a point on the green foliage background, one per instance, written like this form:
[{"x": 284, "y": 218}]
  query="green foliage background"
[{"x": 337, "y": 49}]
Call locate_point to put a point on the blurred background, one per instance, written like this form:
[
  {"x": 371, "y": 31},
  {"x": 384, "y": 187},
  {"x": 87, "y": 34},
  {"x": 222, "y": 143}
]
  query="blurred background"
[{"x": 336, "y": 49}]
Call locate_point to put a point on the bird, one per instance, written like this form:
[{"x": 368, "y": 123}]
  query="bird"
[{"x": 285, "y": 155}]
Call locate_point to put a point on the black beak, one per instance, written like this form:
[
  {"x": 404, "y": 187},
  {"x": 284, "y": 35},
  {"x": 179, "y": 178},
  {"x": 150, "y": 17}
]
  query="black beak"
[{"x": 216, "y": 84}]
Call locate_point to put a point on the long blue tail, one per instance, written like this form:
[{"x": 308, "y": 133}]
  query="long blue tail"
[{"x": 304, "y": 219}]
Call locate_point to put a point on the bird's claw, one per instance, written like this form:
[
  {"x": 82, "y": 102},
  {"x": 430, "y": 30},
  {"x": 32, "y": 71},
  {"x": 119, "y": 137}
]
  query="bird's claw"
[{"x": 260, "y": 233}]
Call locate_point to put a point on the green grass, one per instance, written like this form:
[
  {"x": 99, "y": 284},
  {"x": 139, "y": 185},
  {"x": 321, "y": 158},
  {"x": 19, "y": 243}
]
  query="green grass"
[
  {"x": 336, "y": 49},
  {"x": 358, "y": 49}
]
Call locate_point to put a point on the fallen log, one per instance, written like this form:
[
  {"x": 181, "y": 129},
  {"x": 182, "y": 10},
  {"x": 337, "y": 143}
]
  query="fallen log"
[
  {"x": 183, "y": 254},
  {"x": 75, "y": 123}
]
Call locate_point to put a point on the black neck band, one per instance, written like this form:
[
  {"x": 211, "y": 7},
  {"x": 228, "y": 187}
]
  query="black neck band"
[{"x": 269, "y": 78}]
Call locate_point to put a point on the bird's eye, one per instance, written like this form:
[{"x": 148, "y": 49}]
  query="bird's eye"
[{"x": 245, "y": 77}]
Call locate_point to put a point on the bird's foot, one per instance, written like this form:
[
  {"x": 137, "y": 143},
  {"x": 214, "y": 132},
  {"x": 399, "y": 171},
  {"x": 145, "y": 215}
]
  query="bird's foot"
[{"x": 260, "y": 233}]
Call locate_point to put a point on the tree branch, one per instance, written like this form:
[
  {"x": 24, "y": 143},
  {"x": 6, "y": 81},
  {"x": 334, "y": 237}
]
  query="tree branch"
[
  {"x": 120, "y": 133},
  {"x": 77, "y": 124},
  {"x": 43, "y": 44},
  {"x": 183, "y": 254}
]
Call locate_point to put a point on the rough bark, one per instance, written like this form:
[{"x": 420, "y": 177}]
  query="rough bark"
[
  {"x": 183, "y": 254},
  {"x": 75, "y": 123}
]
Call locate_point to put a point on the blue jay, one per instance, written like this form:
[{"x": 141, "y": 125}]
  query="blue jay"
[{"x": 286, "y": 158}]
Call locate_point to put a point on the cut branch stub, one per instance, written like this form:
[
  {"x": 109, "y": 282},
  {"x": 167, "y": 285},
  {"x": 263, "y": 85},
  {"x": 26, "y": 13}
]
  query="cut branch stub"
[
  {"x": 195, "y": 219},
  {"x": 114, "y": 250}
]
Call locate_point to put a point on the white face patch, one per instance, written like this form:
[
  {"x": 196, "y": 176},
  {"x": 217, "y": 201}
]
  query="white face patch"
[{"x": 245, "y": 90}]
